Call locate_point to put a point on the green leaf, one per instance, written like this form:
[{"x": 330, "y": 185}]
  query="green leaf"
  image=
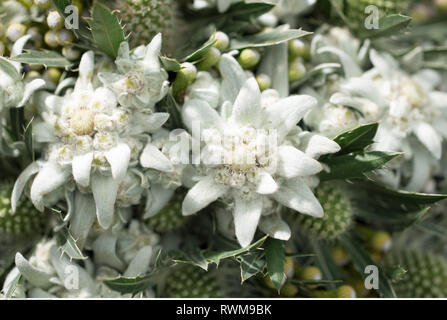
[
  {"x": 355, "y": 165},
  {"x": 126, "y": 285},
  {"x": 196, "y": 55},
  {"x": 193, "y": 255},
  {"x": 361, "y": 259},
  {"x": 106, "y": 29},
  {"x": 71, "y": 248},
  {"x": 175, "y": 119},
  {"x": 432, "y": 228},
  {"x": 248, "y": 11},
  {"x": 46, "y": 58},
  {"x": 326, "y": 263},
  {"x": 215, "y": 257},
  {"x": 398, "y": 200},
  {"x": 170, "y": 64},
  {"x": 388, "y": 26},
  {"x": 356, "y": 139},
  {"x": 275, "y": 258},
  {"x": 267, "y": 38},
  {"x": 251, "y": 264},
  {"x": 9, "y": 69}
]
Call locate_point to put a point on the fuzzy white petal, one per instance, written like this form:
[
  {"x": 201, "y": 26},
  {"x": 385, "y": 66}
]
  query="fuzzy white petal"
[
  {"x": 200, "y": 113},
  {"x": 275, "y": 227},
  {"x": 246, "y": 217},
  {"x": 81, "y": 166},
  {"x": 21, "y": 182},
  {"x": 50, "y": 177},
  {"x": 296, "y": 195},
  {"x": 246, "y": 107},
  {"x": 157, "y": 198},
  {"x": 202, "y": 194},
  {"x": 233, "y": 77},
  {"x": 267, "y": 184},
  {"x": 118, "y": 158},
  {"x": 429, "y": 138},
  {"x": 293, "y": 162},
  {"x": 153, "y": 158},
  {"x": 105, "y": 190}
]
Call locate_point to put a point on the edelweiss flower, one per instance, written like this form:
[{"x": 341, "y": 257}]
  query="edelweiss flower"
[
  {"x": 86, "y": 129},
  {"x": 410, "y": 109},
  {"x": 140, "y": 81},
  {"x": 247, "y": 156}
]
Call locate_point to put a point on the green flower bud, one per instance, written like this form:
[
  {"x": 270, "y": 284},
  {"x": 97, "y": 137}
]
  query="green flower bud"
[
  {"x": 43, "y": 4},
  {"x": 145, "y": 18},
  {"x": 54, "y": 74},
  {"x": 380, "y": 241},
  {"x": 426, "y": 275},
  {"x": 249, "y": 58},
  {"x": 346, "y": 291},
  {"x": 32, "y": 74},
  {"x": 36, "y": 36},
  {"x": 50, "y": 38},
  {"x": 36, "y": 67},
  {"x": 55, "y": 20},
  {"x": 337, "y": 214},
  {"x": 26, "y": 221},
  {"x": 15, "y": 31},
  {"x": 185, "y": 76},
  {"x": 188, "y": 281},
  {"x": 297, "y": 70},
  {"x": 298, "y": 48},
  {"x": 70, "y": 53},
  {"x": 64, "y": 37},
  {"x": 310, "y": 273},
  {"x": 222, "y": 41},
  {"x": 264, "y": 81},
  {"x": 170, "y": 218},
  {"x": 340, "y": 256},
  {"x": 209, "y": 60},
  {"x": 289, "y": 290}
]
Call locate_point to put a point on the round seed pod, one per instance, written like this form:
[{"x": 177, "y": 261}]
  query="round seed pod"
[
  {"x": 345, "y": 291},
  {"x": 188, "y": 281},
  {"x": 209, "y": 60},
  {"x": 249, "y": 58},
  {"x": 297, "y": 70},
  {"x": 298, "y": 48},
  {"x": 70, "y": 52},
  {"x": 53, "y": 74},
  {"x": 50, "y": 38},
  {"x": 264, "y": 81},
  {"x": 15, "y": 31},
  {"x": 55, "y": 20},
  {"x": 170, "y": 218},
  {"x": 426, "y": 275},
  {"x": 380, "y": 241},
  {"x": 64, "y": 37},
  {"x": 222, "y": 41},
  {"x": 337, "y": 214}
]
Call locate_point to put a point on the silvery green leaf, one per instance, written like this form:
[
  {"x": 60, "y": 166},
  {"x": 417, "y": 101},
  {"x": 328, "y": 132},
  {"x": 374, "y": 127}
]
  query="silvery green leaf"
[
  {"x": 35, "y": 276},
  {"x": 8, "y": 68},
  {"x": 267, "y": 38},
  {"x": 44, "y": 57},
  {"x": 71, "y": 248},
  {"x": 140, "y": 263},
  {"x": 83, "y": 217}
]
